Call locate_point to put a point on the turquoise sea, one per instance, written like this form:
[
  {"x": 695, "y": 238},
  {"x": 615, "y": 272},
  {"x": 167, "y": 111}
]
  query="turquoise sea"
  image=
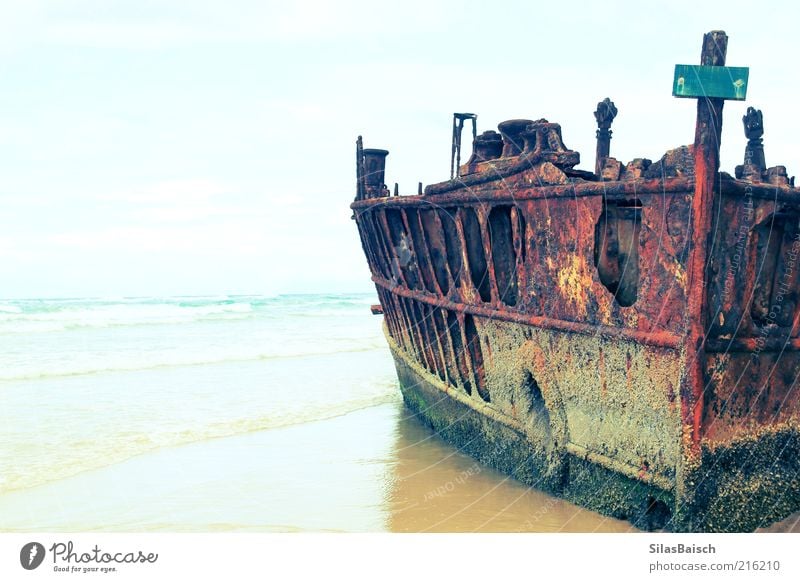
[
  {"x": 230, "y": 413},
  {"x": 86, "y": 383}
]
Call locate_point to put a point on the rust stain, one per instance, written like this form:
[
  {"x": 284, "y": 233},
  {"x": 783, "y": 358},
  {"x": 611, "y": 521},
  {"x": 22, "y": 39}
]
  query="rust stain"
[{"x": 574, "y": 282}]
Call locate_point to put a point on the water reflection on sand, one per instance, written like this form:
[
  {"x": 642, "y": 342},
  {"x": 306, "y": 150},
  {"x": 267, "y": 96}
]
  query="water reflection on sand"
[{"x": 438, "y": 489}]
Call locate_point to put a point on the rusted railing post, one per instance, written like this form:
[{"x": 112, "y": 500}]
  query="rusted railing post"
[
  {"x": 360, "y": 185},
  {"x": 754, "y": 130},
  {"x": 455, "y": 152},
  {"x": 754, "y": 166},
  {"x": 605, "y": 114}
]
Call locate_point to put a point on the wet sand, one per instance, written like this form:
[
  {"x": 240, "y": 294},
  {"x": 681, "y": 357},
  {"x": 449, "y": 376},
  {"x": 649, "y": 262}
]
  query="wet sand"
[{"x": 376, "y": 469}]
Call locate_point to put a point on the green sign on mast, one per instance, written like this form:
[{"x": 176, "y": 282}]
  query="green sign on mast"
[{"x": 710, "y": 82}]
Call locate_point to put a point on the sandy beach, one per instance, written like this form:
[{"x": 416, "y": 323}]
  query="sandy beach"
[
  {"x": 344, "y": 474},
  {"x": 347, "y": 473}
]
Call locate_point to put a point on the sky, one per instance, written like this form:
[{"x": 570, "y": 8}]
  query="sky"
[{"x": 192, "y": 148}]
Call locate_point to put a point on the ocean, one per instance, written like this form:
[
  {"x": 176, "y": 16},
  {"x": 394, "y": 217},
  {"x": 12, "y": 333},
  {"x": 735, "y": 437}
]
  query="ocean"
[{"x": 231, "y": 413}]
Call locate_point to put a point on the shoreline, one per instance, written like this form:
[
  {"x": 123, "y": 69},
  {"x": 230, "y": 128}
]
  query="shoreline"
[{"x": 322, "y": 476}]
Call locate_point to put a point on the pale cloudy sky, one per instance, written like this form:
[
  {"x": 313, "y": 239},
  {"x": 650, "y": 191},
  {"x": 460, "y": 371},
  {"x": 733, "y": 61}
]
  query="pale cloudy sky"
[{"x": 191, "y": 147}]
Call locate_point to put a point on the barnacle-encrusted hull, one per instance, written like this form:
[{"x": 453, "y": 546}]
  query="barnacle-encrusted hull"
[{"x": 743, "y": 484}]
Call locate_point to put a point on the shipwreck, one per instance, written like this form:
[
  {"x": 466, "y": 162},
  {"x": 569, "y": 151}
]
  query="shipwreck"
[{"x": 625, "y": 338}]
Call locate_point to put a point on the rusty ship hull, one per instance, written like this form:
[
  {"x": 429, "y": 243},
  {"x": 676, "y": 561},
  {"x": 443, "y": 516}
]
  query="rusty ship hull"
[{"x": 627, "y": 339}]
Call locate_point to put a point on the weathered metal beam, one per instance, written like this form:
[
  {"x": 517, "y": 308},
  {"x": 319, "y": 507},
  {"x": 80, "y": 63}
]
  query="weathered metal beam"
[
  {"x": 585, "y": 189},
  {"x": 707, "y": 139},
  {"x": 753, "y": 344},
  {"x": 785, "y": 194},
  {"x": 662, "y": 339}
]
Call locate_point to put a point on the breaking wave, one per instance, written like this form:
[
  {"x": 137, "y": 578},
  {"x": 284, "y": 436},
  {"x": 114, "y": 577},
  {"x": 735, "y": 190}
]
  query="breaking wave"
[{"x": 96, "y": 454}]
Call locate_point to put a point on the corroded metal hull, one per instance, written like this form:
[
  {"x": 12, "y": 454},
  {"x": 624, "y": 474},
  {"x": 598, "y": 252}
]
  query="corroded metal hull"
[
  {"x": 627, "y": 339},
  {"x": 738, "y": 485}
]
